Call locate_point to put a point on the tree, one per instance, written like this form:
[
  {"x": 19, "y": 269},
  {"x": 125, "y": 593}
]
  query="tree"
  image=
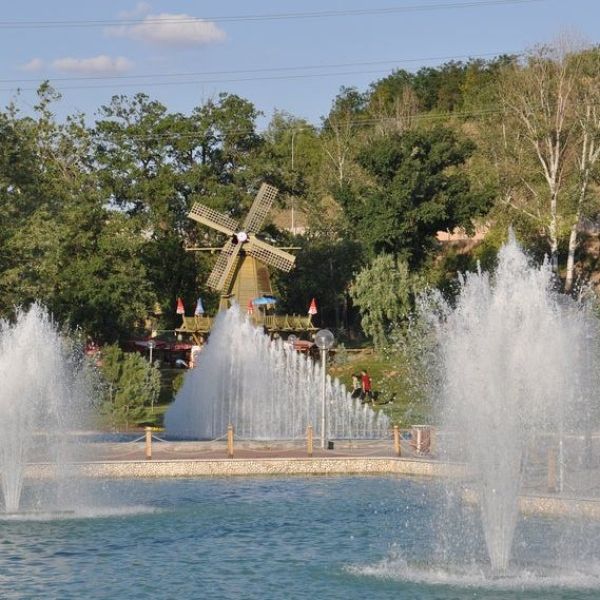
[
  {"x": 341, "y": 135},
  {"x": 393, "y": 103},
  {"x": 324, "y": 270},
  {"x": 384, "y": 292},
  {"x": 60, "y": 243},
  {"x": 131, "y": 385},
  {"x": 588, "y": 143},
  {"x": 153, "y": 165},
  {"x": 418, "y": 189},
  {"x": 538, "y": 99}
]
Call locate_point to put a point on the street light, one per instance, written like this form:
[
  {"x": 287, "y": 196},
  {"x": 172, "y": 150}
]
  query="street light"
[
  {"x": 151, "y": 346},
  {"x": 294, "y": 132},
  {"x": 324, "y": 340}
]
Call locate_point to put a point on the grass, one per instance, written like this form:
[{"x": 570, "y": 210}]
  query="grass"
[{"x": 392, "y": 386}]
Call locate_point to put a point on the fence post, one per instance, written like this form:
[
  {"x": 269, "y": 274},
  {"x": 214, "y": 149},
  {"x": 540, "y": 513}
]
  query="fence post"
[
  {"x": 552, "y": 471},
  {"x": 230, "y": 441},
  {"x": 148, "y": 443},
  {"x": 397, "y": 448},
  {"x": 433, "y": 441},
  {"x": 309, "y": 440}
]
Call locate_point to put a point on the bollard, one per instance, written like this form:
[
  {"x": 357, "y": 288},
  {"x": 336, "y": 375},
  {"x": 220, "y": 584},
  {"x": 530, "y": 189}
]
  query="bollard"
[
  {"x": 148, "y": 443},
  {"x": 421, "y": 439},
  {"x": 397, "y": 448},
  {"x": 552, "y": 471},
  {"x": 230, "y": 441},
  {"x": 309, "y": 440}
]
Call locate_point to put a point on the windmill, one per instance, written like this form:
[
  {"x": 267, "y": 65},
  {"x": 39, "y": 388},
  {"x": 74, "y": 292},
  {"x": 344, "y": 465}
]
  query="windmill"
[{"x": 241, "y": 271}]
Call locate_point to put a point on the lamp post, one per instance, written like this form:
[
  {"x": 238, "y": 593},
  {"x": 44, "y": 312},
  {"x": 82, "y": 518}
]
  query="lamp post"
[
  {"x": 324, "y": 340},
  {"x": 590, "y": 339},
  {"x": 294, "y": 132},
  {"x": 151, "y": 346}
]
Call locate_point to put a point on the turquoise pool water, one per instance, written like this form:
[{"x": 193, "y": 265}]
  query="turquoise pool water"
[{"x": 313, "y": 538}]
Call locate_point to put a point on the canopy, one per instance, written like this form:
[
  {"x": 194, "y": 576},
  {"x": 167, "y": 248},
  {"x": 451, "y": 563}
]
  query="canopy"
[{"x": 262, "y": 300}]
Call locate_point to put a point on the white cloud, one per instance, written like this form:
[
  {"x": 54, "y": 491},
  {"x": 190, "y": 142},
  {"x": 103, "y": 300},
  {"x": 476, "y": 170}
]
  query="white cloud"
[
  {"x": 97, "y": 65},
  {"x": 35, "y": 64},
  {"x": 141, "y": 8},
  {"x": 171, "y": 30}
]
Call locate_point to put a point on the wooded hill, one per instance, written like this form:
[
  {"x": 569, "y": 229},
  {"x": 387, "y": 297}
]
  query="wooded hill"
[{"x": 94, "y": 213}]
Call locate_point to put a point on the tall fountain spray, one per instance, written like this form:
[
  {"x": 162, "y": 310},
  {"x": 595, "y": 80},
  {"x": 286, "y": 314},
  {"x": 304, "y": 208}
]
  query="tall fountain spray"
[
  {"x": 40, "y": 398},
  {"x": 512, "y": 355},
  {"x": 265, "y": 389}
]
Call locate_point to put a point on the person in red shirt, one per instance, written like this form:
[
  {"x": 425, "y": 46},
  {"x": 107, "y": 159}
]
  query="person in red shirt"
[{"x": 365, "y": 380}]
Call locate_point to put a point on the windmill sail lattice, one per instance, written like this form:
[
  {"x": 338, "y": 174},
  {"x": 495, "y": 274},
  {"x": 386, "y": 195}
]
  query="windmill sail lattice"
[{"x": 240, "y": 270}]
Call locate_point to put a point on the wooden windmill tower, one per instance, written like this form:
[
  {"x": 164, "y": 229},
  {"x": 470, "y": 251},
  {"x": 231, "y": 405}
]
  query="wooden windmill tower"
[{"x": 241, "y": 272}]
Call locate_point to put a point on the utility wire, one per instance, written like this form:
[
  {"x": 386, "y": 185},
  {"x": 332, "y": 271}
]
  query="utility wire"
[
  {"x": 202, "y": 81},
  {"x": 266, "y": 69},
  {"x": 352, "y": 122},
  {"x": 58, "y": 24}
]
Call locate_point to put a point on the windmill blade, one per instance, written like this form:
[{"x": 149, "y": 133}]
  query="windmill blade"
[
  {"x": 223, "y": 266},
  {"x": 212, "y": 218},
  {"x": 274, "y": 257},
  {"x": 260, "y": 208},
  {"x": 232, "y": 261}
]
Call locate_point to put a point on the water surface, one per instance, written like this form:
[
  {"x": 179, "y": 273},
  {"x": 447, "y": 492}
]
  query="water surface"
[{"x": 343, "y": 537}]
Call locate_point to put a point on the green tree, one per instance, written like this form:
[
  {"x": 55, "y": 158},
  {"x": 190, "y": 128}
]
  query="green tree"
[
  {"x": 384, "y": 291},
  {"x": 418, "y": 189},
  {"x": 132, "y": 384},
  {"x": 60, "y": 244},
  {"x": 324, "y": 270}
]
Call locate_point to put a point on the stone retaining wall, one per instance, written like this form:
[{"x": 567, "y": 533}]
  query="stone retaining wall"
[
  {"x": 539, "y": 505},
  {"x": 255, "y": 466}
]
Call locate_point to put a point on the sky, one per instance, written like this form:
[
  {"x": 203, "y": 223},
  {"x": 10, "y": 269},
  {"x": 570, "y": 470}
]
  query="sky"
[{"x": 280, "y": 55}]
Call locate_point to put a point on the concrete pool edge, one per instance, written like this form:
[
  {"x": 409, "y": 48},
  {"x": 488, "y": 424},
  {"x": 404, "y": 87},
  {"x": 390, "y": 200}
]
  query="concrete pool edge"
[
  {"x": 224, "y": 467},
  {"x": 530, "y": 504}
]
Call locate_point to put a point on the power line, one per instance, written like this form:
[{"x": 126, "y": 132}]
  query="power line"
[
  {"x": 202, "y": 81},
  {"x": 352, "y": 122},
  {"x": 59, "y": 24},
  {"x": 263, "y": 70}
]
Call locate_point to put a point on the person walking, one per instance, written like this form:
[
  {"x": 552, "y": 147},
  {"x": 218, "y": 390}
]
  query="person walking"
[
  {"x": 356, "y": 386},
  {"x": 365, "y": 381}
]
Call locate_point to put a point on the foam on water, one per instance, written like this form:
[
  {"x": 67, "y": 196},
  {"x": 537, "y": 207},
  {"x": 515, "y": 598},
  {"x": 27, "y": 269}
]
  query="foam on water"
[
  {"x": 88, "y": 512},
  {"x": 517, "y": 578}
]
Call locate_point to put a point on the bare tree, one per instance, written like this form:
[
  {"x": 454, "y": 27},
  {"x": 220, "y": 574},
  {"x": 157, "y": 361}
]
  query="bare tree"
[
  {"x": 588, "y": 148},
  {"x": 538, "y": 99}
]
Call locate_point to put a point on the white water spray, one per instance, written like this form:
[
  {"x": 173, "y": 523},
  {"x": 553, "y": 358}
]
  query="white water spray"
[
  {"x": 265, "y": 389},
  {"x": 40, "y": 398},
  {"x": 513, "y": 368}
]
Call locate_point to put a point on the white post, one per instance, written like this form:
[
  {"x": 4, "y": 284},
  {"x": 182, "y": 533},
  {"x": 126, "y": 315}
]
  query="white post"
[
  {"x": 323, "y": 396},
  {"x": 324, "y": 340}
]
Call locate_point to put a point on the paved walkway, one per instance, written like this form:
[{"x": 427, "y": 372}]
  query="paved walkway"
[{"x": 167, "y": 450}]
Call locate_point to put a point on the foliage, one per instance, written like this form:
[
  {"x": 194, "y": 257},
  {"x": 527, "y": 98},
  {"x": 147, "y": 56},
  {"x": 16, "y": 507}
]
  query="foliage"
[
  {"x": 94, "y": 218},
  {"x": 324, "y": 271},
  {"x": 418, "y": 190},
  {"x": 131, "y": 385},
  {"x": 392, "y": 385},
  {"x": 384, "y": 292}
]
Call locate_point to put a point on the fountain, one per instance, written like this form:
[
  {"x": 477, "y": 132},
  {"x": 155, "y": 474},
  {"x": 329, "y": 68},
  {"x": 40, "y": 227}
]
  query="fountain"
[
  {"x": 266, "y": 389},
  {"x": 40, "y": 401},
  {"x": 515, "y": 380}
]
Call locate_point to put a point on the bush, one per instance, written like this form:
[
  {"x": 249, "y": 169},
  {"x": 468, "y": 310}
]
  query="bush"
[{"x": 131, "y": 384}]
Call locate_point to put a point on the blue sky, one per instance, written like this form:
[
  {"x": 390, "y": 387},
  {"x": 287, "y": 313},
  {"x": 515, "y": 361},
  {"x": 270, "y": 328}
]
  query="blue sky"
[{"x": 293, "y": 64}]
